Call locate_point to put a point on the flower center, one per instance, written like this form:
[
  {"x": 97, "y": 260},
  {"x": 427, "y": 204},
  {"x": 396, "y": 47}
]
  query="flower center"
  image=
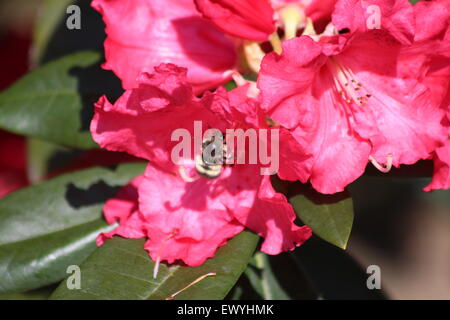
[{"x": 347, "y": 85}]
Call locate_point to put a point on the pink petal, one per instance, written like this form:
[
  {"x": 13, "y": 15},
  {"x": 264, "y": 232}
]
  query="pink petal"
[
  {"x": 279, "y": 81},
  {"x": 441, "y": 175},
  {"x": 123, "y": 209},
  {"x": 432, "y": 19},
  {"x": 186, "y": 221},
  {"x": 396, "y": 16},
  {"x": 334, "y": 154},
  {"x": 246, "y": 19},
  {"x": 407, "y": 23},
  {"x": 318, "y": 10},
  {"x": 371, "y": 95},
  {"x": 142, "y": 121},
  {"x": 401, "y": 118},
  {"x": 272, "y": 217},
  {"x": 239, "y": 109},
  {"x": 142, "y": 34},
  {"x": 295, "y": 161}
]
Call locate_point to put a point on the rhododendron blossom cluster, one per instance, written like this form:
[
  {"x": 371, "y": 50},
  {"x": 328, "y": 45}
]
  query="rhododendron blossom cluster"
[{"x": 340, "y": 85}]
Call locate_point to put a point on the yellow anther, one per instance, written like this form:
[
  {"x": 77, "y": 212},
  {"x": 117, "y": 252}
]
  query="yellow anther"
[
  {"x": 309, "y": 28},
  {"x": 275, "y": 41},
  {"x": 253, "y": 55},
  {"x": 293, "y": 18}
]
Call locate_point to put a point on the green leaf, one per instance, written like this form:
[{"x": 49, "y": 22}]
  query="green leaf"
[
  {"x": 265, "y": 284},
  {"x": 122, "y": 269},
  {"x": 230, "y": 85},
  {"x": 278, "y": 277},
  {"x": 330, "y": 216},
  {"x": 49, "y": 226},
  {"x": 39, "y": 156},
  {"x": 55, "y": 102},
  {"x": 38, "y": 294}
]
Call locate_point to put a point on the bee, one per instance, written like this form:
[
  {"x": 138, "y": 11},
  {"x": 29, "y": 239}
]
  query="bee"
[
  {"x": 210, "y": 171},
  {"x": 214, "y": 154}
]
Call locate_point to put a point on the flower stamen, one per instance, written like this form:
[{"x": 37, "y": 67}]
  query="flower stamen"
[
  {"x": 275, "y": 41},
  {"x": 348, "y": 88},
  {"x": 253, "y": 55},
  {"x": 382, "y": 168},
  {"x": 309, "y": 28},
  {"x": 253, "y": 91},
  {"x": 293, "y": 18},
  {"x": 239, "y": 79},
  {"x": 191, "y": 284},
  {"x": 158, "y": 258}
]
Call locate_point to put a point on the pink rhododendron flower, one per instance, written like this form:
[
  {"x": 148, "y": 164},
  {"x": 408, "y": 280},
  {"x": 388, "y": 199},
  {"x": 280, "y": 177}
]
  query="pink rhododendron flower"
[
  {"x": 351, "y": 97},
  {"x": 185, "y": 213},
  {"x": 169, "y": 238},
  {"x": 441, "y": 175},
  {"x": 397, "y": 16},
  {"x": 407, "y": 23},
  {"x": 431, "y": 19},
  {"x": 188, "y": 221},
  {"x": 143, "y": 33},
  {"x": 123, "y": 209},
  {"x": 257, "y": 20},
  {"x": 245, "y": 19},
  {"x": 318, "y": 10},
  {"x": 441, "y": 157}
]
